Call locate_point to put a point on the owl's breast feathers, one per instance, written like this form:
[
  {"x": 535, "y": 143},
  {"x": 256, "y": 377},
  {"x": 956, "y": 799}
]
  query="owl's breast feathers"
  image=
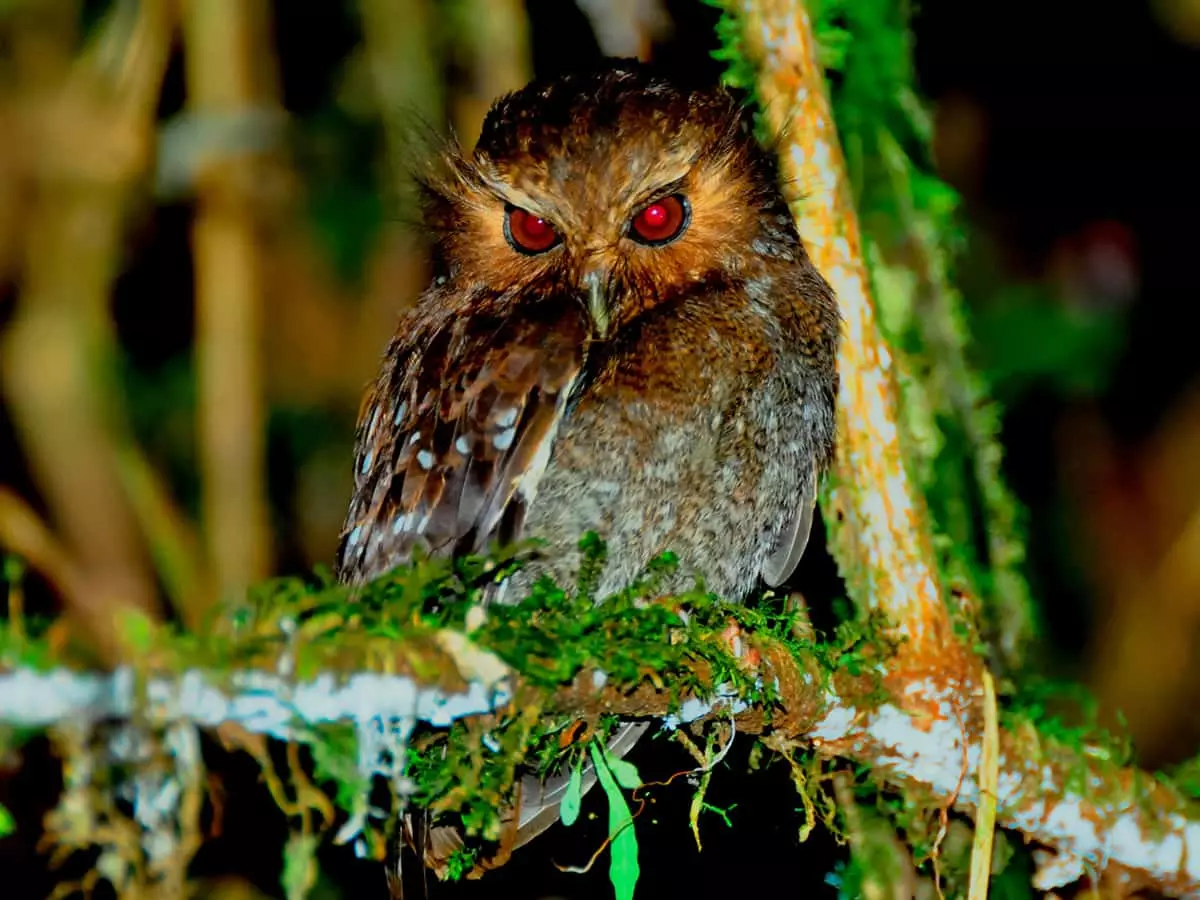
[
  {"x": 688, "y": 431},
  {"x": 701, "y": 431}
]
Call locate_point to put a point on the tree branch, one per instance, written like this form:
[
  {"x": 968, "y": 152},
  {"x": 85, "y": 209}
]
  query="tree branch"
[
  {"x": 1095, "y": 813},
  {"x": 877, "y": 515}
]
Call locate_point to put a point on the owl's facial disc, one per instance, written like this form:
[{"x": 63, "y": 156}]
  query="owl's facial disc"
[{"x": 597, "y": 246}]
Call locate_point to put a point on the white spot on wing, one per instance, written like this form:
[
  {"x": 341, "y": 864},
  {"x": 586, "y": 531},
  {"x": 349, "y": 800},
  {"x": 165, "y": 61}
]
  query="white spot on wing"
[
  {"x": 462, "y": 445},
  {"x": 527, "y": 482},
  {"x": 504, "y": 439},
  {"x": 425, "y": 459},
  {"x": 509, "y": 418},
  {"x": 401, "y": 412}
]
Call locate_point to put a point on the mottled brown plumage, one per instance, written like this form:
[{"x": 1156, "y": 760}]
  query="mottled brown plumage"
[{"x": 625, "y": 336}]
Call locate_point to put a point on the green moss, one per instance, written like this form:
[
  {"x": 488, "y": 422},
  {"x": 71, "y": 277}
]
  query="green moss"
[
  {"x": 1058, "y": 723},
  {"x": 1066, "y": 714},
  {"x": 1185, "y": 777},
  {"x": 467, "y": 771},
  {"x": 461, "y": 861}
]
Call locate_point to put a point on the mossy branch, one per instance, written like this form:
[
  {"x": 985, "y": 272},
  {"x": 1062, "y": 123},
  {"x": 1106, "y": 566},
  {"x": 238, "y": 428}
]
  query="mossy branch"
[
  {"x": 842, "y": 701},
  {"x": 881, "y": 528},
  {"x": 877, "y": 515}
]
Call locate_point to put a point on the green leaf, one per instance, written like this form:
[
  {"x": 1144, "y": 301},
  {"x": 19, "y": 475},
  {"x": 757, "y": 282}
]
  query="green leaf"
[
  {"x": 569, "y": 810},
  {"x": 460, "y": 862},
  {"x": 626, "y": 773},
  {"x": 137, "y": 629},
  {"x": 623, "y": 868},
  {"x": 299, "y": 865},
  {"x": 7, "y": 823}
]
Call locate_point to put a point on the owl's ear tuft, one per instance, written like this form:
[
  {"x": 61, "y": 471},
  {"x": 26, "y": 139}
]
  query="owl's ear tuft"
[
  {"x": 440, "y": 181},
  {"x": 426, "y": 169}
]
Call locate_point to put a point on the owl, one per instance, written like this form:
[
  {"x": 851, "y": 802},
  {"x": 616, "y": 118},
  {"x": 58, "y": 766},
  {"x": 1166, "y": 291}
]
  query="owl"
[{"x": 624, "y": 335}]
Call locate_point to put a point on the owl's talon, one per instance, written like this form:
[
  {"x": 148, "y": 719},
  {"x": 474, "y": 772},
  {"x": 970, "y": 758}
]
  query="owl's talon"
[{"x": 749, "y": 656}]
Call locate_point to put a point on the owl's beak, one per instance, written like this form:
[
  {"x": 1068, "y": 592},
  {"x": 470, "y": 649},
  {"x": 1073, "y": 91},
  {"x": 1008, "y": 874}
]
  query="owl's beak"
[{"x": 595, "y": 284}]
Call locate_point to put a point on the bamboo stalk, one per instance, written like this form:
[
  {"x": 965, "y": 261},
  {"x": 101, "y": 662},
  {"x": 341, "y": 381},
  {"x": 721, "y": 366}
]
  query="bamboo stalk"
[
  {"x": 226, "y": 43},
  {"x": 59, "y": 353},
  {"x": 408, "y": 92},
  {"x": 396, "y": 35}
]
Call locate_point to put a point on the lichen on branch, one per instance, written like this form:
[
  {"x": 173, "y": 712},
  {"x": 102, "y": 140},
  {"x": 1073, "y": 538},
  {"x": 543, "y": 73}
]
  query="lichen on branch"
[
  {"x": 841, "y": 697},
  {"x": 876, "y": 514}
]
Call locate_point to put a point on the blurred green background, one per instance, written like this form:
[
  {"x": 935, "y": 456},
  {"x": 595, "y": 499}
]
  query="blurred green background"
[{"x": 206, "y": 238}]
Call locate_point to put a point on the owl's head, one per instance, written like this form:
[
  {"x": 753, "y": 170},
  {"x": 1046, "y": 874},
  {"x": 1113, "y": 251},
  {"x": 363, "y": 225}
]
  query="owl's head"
[{"x": 617, "y": 184}]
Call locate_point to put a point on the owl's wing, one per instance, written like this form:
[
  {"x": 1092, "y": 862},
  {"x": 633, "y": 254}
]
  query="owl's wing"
[
  {"x": 789, "y": 548},
  {"x": 457, "y": 432}
]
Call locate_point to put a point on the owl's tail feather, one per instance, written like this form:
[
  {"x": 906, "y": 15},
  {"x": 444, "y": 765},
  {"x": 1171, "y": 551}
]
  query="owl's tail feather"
[
  {"x": 538, "y": 809},
  {"x": 541, "y": 800}
]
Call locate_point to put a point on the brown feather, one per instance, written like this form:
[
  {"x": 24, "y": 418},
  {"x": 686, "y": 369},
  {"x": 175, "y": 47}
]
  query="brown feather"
[{"x": 469, "y": 407}]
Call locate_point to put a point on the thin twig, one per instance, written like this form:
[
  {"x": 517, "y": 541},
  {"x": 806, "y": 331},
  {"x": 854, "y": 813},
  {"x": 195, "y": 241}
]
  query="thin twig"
[{"x": 989, "y": 782}]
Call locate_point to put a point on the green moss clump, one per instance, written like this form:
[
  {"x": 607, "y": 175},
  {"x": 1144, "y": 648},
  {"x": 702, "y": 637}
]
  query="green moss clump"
[{"x": 467, "y": 772}]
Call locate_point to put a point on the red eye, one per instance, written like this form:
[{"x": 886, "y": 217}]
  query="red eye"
[
  {"x": 662, "y": 221},
  {"x": 527, "y": 233}
]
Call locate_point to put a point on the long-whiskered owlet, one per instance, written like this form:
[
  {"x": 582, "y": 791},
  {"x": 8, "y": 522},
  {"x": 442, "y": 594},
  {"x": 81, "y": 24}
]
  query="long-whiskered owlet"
[{"x": 624, "y": 335}]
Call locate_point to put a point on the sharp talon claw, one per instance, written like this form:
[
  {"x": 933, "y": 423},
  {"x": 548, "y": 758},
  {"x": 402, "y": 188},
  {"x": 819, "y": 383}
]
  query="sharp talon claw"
[{"x": 732, "y": 636}]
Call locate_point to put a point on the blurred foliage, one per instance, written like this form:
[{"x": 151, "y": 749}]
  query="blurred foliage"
[
  {"x": 1027, "y": 340},
  {"x": 336, "y": 154}
]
